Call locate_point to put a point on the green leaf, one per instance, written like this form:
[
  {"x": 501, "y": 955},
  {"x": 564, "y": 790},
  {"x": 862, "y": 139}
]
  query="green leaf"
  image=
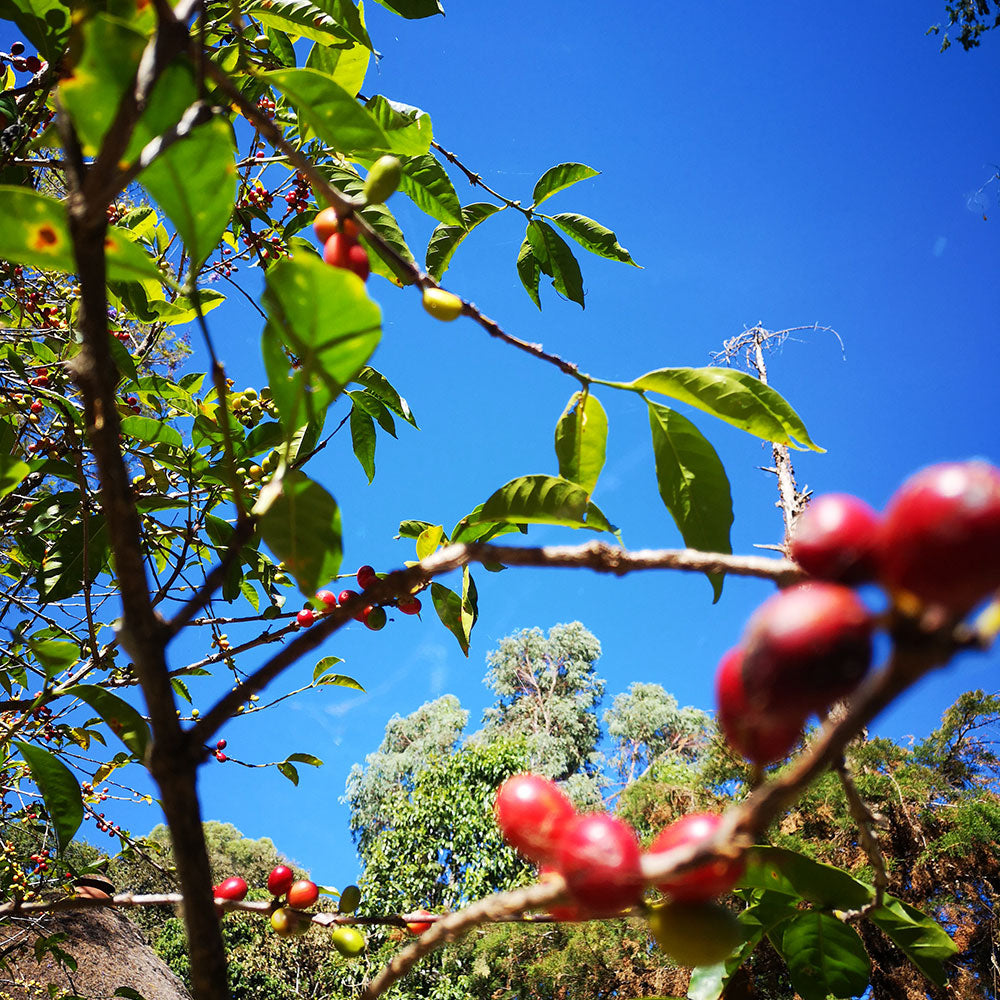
[
  {"x": 375, "y": 408},
  {"x": 289, "y": 771},
  {"x": 581, "y": 440},
  {"x": 61, "y": 569},
  {"x": 427, "y": 183},
  {"x": 445, "y": 239},
  {"x": 44, "y": 23},
  {"x": 12, "y": 472},
  {"x": 541, "y": 500},
  {"x": 692, "y": 483},
  {"x": 408, "y": 129},
  {"x": 194, "y": 182},
  {"x": 305, "y": 758},
  {"x": 34, "y": 231},
  {"x": 92, "y": 92},
  {"x": 556, "y": 260},
  {"x": 824, "y": 957},
  {"x": 345, "y": 64},
  {"x": 128, "y": 993},
  {"x": 329, "y": 110},
  {"x": 788, "y": 872},
  {"x": 349, "y": 18},
  {"x": 302, "y": 528},
  {"x": 558, "y": 178},
  {"x": 413, "y": 9},
  {"x": 529, "y": 271},
  {"x": 378, "y": 385},
  {"x": 735, "y": 397},
  {"x": 54, "y": 656},
  {"x": 429, "y": 540},
  {"x": 325, "y": 664},
  {"x": 151, "y": 431},
  {"x": 323, "y": 22},
  {"x": 324, "y": 317},
  {"x": 413, "y": 529},
  {"x": 593, "y": 236},
  {"x": 457, "y": 614},
  {"x": 921, "y": 938},
  {"x": 338, "y": 680},
  {"x": 60, "y": 790},
  {"x": 121, "y": 718},
  {"x": 363, "y": 440}
]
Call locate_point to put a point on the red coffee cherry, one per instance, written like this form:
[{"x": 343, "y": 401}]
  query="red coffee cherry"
[
  {"x": 940, "y": 539},
  {"x": 327, "y": 223},
  {"x": 706, "y": 881},
  {"x": 366, "y": 576},
  {"x": 409, "y": 606},
  {"x": 374, "y": 617},
  {"x": 302, "y": 894},
  {"x": 306, "y": 617},
  {"x": 232, "y": 888},
  {"x": 417, "y": 927},
  {"x": 328, "y": 599},
  {"x": 759, "y": 738},
  {"x": 804, "y": 648},
  {"x": 531, "y": 812},
  {"x": 836, "y": 538},
  {"x": 280, "y": 880},
  {"x": 599, "y": 857}
]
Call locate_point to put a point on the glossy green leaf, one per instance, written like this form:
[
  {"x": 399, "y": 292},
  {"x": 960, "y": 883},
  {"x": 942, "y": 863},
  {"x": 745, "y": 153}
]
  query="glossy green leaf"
[
  {"x": 427, "y": 183},
  {"x": 34, "y": 231},
  {"x": 12, "y": 472},
  {"x": 329, "y": 110},
  {"x": 375, "y": 408},
  {"x": 692, "y": 483},
  {"x": 556, "y": 260},
  {"x": 349, "y": 18},
  {"x": 529, "y": 271},
  {"x": 786, "y": 871},
  {"x": 302, "y": 528},
  {"x": 194, "y": 182},
  {"x": 363, "y": 440},
  {"x": 346, "y": 65},
  {"x": 735, "y": 397},
  {"x": 824, "y": 956},
  {"x": 408, "y": 129},
  {"x": 413, "y": 9},
  {"x": 339, "y": 680},
  {"x": 61, "y": 571},
  {"x": 921, "y": 938},
  {"x": 44, "y": 23},
  {"x": 445, "y": 239},
  {"x": 413, "y": 528},
  {"x": 558, "y": 178},
  {"x": 289, "y": 771},
  {"x": 53, "y": 655},
  {"x": 60, "y": 790},
  {"x": 151, "y": 431},
  {"x": 323, "y": 316},
  {"x": 379, "y": 386},
  {"x": 581, "y": 440},
  {"x": 457, "y": 614},
  {"x": 121, "y": 718},
  {"x": 593, "y": 236},
  {"x": 541, "y": 500},
  {"x": 321, "y": 22},
  {"x": 92, "y": 92}
]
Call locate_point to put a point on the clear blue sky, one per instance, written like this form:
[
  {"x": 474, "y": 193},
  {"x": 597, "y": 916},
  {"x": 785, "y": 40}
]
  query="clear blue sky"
[{"x": 766, "y": 163}]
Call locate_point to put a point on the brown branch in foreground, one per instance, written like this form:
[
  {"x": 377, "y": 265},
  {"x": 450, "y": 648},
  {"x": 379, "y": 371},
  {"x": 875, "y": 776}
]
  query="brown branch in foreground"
[{"x": 598, "y": 556}]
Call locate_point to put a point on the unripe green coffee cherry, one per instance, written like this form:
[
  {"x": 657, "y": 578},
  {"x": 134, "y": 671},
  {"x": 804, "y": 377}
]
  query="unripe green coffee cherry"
[
  {"x": 382, "y": 180},
  {"x": 250, "y": 393},
  {"x": 262, "y": 42},
  {"x": 349, "y": 941},
  {"x": 349, "y": 899},
  {"x": 442, "y": 305},
  {"x": 695, "y": 933}
]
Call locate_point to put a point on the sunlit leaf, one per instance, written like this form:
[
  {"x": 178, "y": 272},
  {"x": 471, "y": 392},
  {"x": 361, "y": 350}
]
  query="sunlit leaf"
[
  {"x": 593, "y": 236},
  {"x": 558, "y": 178},
  {"x": 825, "y": 957},
  {"x": 541, "y": 500},
  {"x": 445, "y": 239},
  {"x": 121, "y": 718},
  {"x": 60, "y": 790},
  {"x": 556, "y": 260},
  {"x": 581, "y": 440}
]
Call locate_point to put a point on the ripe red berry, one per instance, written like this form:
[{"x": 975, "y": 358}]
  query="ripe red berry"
[
  {"x": 341, "y": 250},
  {"x": 410, "y": 606},
  {"x": 805, "y": 648},
  {"x": 366, "y": 577},
  {"x": 16, "y": 48},
  {"x": 280, "y": 880},
  {"x": 357, "y": 261},
  {"x": 302, "y": 894},
  {"x": 32, "y": 64},
  {"x": 531, "y": 812},
  {"x": 706, "y": 881},
  {"x": 344, "y": 596},
  {"x": 220, "y": 757},
  {"x": 221, "y": 745},
  {"x": 759, "y": 738},
  {"x": 418, "y": 927},
  {"x": 327, "y": 223},
  {"x": 306, "y": 617},
  {"x": 374, "y": 617},
  {"x": 37, "y": 406},
  {"x": 599, "y": 857},
  {"x": 940, "y": 539},
  {"x": 836, "y": 538},
  {"x": 232, "y": 888},
  {"x": 328, "y": 599}
]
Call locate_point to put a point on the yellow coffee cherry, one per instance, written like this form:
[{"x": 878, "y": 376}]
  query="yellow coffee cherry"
[{"x": 441, "y": 304}]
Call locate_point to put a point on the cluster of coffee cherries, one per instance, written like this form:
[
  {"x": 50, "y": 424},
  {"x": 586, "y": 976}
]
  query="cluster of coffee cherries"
[
  {"x": 290, "y": 898},
  {"x": 372, "y": 615},
  {"x": 599, "y": 857},
  {"x": 340, "y": 243},
  {"x": 22, "y": 63},
  {"x": 936, "y": 552},
  {"x": 249, "y": 407}
]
